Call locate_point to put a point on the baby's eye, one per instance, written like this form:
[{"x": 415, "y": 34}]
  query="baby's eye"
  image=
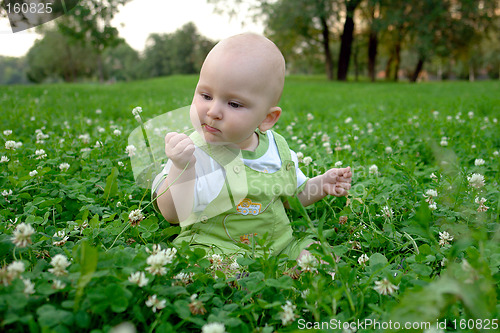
[
  {"x": 206, "y": 97},
  {"x": 234, "y": 105}
]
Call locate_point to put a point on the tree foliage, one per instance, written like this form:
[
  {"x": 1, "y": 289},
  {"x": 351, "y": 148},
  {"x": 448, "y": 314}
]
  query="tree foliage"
[{"x": 181, "y": 52}]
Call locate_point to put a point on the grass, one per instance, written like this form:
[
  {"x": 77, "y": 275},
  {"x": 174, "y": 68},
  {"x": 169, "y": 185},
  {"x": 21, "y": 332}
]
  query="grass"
[{"x": 438, "y": 265}]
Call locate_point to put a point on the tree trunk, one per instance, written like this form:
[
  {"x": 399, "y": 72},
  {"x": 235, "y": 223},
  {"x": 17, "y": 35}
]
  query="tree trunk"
[
  {"x": 345, "y": 47},
  {"x": 388, "y": 66},
  {"x": 326, "y": 49},
  {"x": 471, "y": 73},
  {"x": 418, "y": 69},
  {"x": 372, "y": 54},
  {"x": 100, "y": 67},
  {"x": 356, "y": 62},
  {"x": 397, "y": 59}
]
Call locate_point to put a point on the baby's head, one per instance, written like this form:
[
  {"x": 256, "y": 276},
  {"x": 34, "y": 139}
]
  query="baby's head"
[{"x": 240, "y": 85}]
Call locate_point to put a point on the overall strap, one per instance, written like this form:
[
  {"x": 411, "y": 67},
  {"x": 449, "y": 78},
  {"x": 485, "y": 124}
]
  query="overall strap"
[{"x": 283, "y": 148}]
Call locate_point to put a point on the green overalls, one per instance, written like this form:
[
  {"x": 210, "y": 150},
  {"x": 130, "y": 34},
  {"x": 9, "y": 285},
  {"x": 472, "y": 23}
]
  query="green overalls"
[{"x": 256, "y": 205}]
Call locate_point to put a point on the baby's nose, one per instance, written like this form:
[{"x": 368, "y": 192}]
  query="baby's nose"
[{"x": 215, "y": 111}]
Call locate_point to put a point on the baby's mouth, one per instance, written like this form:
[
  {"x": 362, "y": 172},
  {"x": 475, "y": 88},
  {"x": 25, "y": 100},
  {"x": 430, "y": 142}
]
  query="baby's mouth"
[{"x": 210, "y": 129}]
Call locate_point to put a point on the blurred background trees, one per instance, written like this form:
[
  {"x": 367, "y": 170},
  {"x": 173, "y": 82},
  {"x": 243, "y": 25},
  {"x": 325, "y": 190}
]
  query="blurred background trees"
[{"x": 341, "y": 39}]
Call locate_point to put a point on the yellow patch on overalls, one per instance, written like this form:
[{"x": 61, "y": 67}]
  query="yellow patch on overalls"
[
  {"x": 246, "y": 206},
  {"x": 245, "y": 239}
]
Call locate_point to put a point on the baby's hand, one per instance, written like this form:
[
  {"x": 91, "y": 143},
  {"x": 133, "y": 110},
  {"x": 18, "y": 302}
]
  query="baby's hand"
[
  {"x": 337, "y": 181},
  {"x": 180, "y": 149}
]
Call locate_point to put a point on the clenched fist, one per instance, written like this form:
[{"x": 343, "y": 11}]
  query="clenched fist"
[
  {"x": 337, "y": 182},
  {"x": 180, "y": 149}
]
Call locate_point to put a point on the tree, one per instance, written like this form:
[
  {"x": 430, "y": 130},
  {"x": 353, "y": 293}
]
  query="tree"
[
  {"x": 346, "y": 39},
  {"x": 58, "y": 57},
  {"x": 89, "y": 23},
  {"x": 13, "y": 70},
  {"x": 121, "y": 63},
  {"x": 181, "y": 52}
]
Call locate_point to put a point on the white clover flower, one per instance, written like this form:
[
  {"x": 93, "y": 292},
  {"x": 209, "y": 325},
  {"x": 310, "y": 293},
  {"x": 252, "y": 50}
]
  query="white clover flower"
[
  {"x": 363, "y": 259},
  {"x": 64, "y": 166},
  {"x": 64, "y": 238},
  {"x": 348, "y": 120},
  {"x": 98, "y": 144},
  {"x": 303, "y": 146},
  {"x": 158, "y": 260},
  {"x": 60, "y": 263},
  {"x": 85, "y": 138},
  {"x": 7, "y": 132},
  {"x": 137, "y": 110},
  {"x": 388, "y": 150},
  {"x": 40, "y": 154},
  {"x": 234, "y": 266},
  {"x": 213, "y": 328},
  {"x": 435, "y": 113},
  {"x": 155, "y": 303},
  {"x": 6, "y": 193},
  {"x": 15, "y": 268},
  {"x": 217, "y": 261},
  {"x": 373, "y": 170},
  {"x": 4, "y": 159},
  {"x": 307, "y": 160},
  {"x": 33, "y": 173},
  {"x": 476, "y": 180},
  {"x": 117, "y": 132},
  {"x": 470, "y": 114},
  {"x": 135, "y": 217},
  {"x": 58, "y": 285},
  {"x": 98, "y": 111},
  {"x": 29, "y": 287},
  {"x": 479, "y": 162},
  {"x": 10, "y": 144},
  {"x": 40, "y": 136},
  {"x": 22, "y": 235},
  {"x": 387, "y": 211},
  {"x": 310, "y": 116},
  {"x": 138, "y": 278},
  {"x": 130, "y": 150},
  {"x": 348, "y": 146},
  {"x": 444, "y": 238},
  {"x": 120, "y": 163},
  {"x": 432, "y": 206},
  {"x": 300, "y": 156},
  {"x": 338, "y": 164},
  {"x": 288, "y": 315},
  {"x": 433, "y": 176},
  {"x": 184, "y": 278},
  {"x": 307, "y": 262},
  {"x": 444, "y": 141},
  {"x": 482, "y": 207},
  {"x": 325, "y": 138},
  {"x": 385, "y": 287},
  {"x": 429, "y": 195}
]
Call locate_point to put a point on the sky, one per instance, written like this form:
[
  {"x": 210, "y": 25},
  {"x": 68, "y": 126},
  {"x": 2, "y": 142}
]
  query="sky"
[{"x": 139, "y": 18}]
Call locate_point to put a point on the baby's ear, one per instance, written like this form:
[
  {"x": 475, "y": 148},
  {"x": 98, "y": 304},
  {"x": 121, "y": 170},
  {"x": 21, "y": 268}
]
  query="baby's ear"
[{"x": 272, "y": 117}]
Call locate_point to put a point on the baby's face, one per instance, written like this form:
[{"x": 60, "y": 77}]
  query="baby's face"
[{"x": 231, "y": 100}]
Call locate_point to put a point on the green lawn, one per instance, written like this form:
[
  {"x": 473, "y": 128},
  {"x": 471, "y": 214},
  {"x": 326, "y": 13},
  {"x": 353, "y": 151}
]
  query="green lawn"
[{"x": 415, "y": 241}]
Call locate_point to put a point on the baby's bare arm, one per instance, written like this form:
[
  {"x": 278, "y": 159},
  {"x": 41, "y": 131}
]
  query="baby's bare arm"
[
  {"x": 176, "y": 203},
  {"x": 333, "y": 182}
]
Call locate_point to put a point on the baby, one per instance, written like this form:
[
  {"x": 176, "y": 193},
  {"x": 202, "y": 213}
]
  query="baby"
[{"x": 233, "y": 110}]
